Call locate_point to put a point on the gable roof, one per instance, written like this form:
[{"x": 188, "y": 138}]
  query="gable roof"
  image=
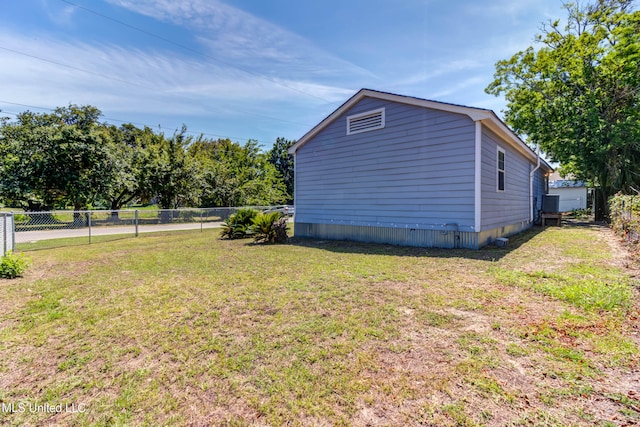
[{"x": 485, "y": 116}]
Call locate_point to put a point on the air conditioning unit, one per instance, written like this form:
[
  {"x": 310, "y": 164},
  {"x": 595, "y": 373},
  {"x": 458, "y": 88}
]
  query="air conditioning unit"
[{"x": 551, "y": 203}]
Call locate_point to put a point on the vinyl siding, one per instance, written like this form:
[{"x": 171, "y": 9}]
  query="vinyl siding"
[
  {"x": 416, "y": 172},
  {"x": 539, "y": 189},
  {"x": 511, "y": 206}
]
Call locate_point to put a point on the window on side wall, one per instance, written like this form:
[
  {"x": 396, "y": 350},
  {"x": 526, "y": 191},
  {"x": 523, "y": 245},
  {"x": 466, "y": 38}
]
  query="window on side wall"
[{"x": 501, "y": 175}]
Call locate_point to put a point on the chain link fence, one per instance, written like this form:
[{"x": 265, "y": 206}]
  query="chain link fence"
[
  {"x": 625, "y": 216},
  {"x": 32, "y": 228}
]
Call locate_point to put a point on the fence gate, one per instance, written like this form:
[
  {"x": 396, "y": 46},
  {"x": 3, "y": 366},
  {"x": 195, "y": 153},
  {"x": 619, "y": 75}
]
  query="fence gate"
[{"x": 7, "y": 233}]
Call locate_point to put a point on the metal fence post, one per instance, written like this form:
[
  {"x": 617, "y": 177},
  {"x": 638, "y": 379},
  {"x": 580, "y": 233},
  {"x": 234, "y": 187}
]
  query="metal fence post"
[
  {"x": 201, "y": 212},
  {"x": 89, "y": 222},
  {"x": 4, "y": 234},
  {"x": 136, "y": 221},
  {"x": 13, "y": 232}
]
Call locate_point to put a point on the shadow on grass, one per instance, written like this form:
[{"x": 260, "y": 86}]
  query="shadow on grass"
[{"x": 488, "y": 253}]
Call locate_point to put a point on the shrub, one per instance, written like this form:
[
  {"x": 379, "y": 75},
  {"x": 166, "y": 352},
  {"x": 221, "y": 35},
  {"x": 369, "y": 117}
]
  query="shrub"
[
  {"x": 237, "y": 225},
  {"x": 269, "y": 228},
  {"x": 12, "y": 265},
  {"x": 625, "y": 216}
]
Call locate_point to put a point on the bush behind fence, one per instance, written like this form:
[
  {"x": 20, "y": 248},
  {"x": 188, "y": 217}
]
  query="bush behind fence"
[{"x": 625, "y": 216}]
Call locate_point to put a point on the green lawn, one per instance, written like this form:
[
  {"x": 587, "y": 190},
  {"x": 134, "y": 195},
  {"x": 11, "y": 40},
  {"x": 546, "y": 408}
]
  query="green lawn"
[{"x": 186, "y": 329}]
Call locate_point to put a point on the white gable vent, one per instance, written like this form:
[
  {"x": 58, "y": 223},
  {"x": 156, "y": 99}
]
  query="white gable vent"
[{"x": 364, "y": 122}]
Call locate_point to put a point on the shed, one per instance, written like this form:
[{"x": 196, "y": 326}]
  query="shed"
[
  {"x": 573, "y": 193},
  {"x": 397, "y": 169}
]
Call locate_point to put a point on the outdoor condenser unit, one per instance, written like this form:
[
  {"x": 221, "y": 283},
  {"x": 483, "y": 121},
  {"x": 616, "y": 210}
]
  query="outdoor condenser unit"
[{"x": 551, "y": 203}]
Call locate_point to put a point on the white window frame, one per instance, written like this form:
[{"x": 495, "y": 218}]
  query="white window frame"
[
  {"x": 503, "y": 170},
  {"x": 380, "y": 111}
]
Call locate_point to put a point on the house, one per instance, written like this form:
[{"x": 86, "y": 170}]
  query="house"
[
  {"x": 396, "y": 169},
  {"x": 573, "y": 193}
]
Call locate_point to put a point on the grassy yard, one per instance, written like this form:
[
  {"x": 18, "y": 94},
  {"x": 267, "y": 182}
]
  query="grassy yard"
[{"x": 186, "y": 329}]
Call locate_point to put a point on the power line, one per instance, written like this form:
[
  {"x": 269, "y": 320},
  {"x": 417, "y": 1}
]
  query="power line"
[
  {"x": 135, "y": 84},
  {"x": 166, "y": 40},
  {"x": 73, "y": 68},
  {"x": 58, "y": 63},
  {"x": 159, "y": 126}
]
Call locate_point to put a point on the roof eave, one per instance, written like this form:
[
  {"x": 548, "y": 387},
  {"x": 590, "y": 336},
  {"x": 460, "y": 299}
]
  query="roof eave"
[
  {"x": 474, "y": 113},
  {"x": 485, "y": 116}
]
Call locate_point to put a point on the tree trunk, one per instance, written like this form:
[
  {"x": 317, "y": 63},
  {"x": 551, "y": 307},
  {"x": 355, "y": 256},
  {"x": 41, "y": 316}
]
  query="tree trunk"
[
  {"x": 600, "y": 205},
  {"x": 78, "y": 221},
  {"x": 115, "y": 217}
]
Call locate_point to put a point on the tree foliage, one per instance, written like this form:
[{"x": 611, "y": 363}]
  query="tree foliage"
[
  {"x": 236, "y": 175},
  {"x": 68, "y": 158},
  {"x": 54, "y": 159},
  {"x": 577, "y": 94},
  {"x": 130, "y": 148},
  {"x": 279, "y": 157},
  {"x": 174, "y": 178}
]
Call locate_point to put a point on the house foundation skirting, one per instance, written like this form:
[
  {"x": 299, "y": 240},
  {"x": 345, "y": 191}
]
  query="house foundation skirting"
[{"x": 407, "y": 236}]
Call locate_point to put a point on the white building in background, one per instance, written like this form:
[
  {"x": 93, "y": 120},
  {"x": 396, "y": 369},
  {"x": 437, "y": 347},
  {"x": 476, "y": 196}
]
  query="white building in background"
[{"x": 573, "y": 193}]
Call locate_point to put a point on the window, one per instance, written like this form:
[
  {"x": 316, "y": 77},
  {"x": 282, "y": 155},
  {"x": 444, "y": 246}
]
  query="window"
[
  {"x": 500, "y": 169},
  {"x": 364, "y": 122}
]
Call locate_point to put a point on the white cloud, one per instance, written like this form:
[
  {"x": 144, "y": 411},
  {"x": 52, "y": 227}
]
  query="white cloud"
[
  {"x": 134, "y": 81},
  {"x": 439, "y": 69},
  {"x": 458, "y": 87},
  {"x": 242, "y": 40},
  {"x": 58, "y": 14}
]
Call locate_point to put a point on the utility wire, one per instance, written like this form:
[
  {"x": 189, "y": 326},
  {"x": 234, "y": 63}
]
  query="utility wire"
[
  {"x": 135, "y": 84},
  {"x": 73, "y": 68},
  {"x": 148, "y": 87},
  {"x": 159, "y": 126},
  {"x": 166, "y": 40}
]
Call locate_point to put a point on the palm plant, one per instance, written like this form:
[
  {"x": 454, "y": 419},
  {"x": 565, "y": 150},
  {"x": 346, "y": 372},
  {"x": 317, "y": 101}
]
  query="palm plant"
[
  {"x": 238, "y": 224},
  {"x": 269, "y": 228}
]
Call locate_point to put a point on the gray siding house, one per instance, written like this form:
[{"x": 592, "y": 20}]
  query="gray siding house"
[{"x": 396, "y": 169}]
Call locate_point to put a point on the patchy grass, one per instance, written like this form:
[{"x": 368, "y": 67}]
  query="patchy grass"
[
  {"x": 69, "y": 241},
  {"x": 186, "y": 329}
]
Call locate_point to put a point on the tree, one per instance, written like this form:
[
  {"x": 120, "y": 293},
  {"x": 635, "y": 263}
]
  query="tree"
[
  {"x": 55, "y": 159},
  {"x": 130, "y": 178},
  {"x": 236, "y": 175},
  {"x": 577, "y": 95},
  {"x": 279, "y": 157},
  {"x": 173, "y": 177}
]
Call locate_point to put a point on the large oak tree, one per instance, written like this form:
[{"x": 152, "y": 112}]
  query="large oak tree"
[
  {"x": 577, "y": 94},
  {"x": 54, "y": 159}
]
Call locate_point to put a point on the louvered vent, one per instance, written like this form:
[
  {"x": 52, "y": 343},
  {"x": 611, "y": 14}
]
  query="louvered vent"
[{"x": 363, "y": 122}]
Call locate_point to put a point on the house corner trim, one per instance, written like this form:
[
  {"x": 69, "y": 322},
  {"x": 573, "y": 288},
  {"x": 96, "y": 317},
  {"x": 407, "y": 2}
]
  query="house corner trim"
[{"x": 478, "y": 178}]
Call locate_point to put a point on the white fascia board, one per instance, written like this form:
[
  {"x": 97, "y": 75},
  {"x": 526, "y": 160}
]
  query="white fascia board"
[
  {"x": 473, "y": 113},
  {"x": 497, "y": 126},
  {"x": 488, "y": 118},
  {"x": 326, "y": 122}
]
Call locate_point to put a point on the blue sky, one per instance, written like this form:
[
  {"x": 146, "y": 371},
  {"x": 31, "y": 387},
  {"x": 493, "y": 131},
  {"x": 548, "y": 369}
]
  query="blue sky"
[{"x": 255, "y": 69}]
